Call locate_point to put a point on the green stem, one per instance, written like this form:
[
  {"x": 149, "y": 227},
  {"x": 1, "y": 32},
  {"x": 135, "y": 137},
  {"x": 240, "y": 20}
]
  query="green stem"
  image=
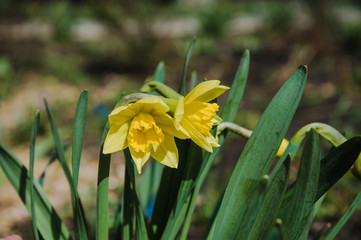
[{"x": 161, "y": 88}]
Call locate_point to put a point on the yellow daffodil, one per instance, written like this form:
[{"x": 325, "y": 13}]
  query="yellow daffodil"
[
  {"x": 196, "y": 116},
  {"x": 147, "y": 129}
]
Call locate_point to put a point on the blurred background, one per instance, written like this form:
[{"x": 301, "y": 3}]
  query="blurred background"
[{"x": 55, "y": 49}]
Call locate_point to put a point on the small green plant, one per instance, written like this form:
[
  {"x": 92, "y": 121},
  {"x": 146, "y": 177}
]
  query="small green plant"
[{"x": 185, "y": 133}]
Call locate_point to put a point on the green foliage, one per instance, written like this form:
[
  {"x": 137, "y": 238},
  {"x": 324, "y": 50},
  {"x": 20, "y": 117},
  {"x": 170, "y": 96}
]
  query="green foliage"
[{"x": 258, "y": 203}]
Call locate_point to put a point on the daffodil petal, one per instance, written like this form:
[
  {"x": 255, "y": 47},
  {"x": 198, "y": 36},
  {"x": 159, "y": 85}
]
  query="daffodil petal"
[
  {"x": 216, "y": 120},
  {"x": 116, "y": 139},
  {"x": 139, "y": 158},
  {"x": 165, "y": 122},
  {"x": 179, "y": 112},
  {"x": 197, "y": 137},
  {"x": 205, "y": 91},
  {"x": 152, "y": 104},
  {"x": 167, "y": 152},
  {"x": 122, "y": 114},
  {"x": 212, "y": 140}
]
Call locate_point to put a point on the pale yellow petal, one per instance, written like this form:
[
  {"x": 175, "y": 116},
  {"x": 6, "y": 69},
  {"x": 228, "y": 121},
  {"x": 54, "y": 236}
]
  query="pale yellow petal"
[
  {"x": 216, "y": 120},
  {"x": 205, "y": 91},
  {"x": 166, "y": 123},
  {"x": 152, "y": 104},
  {"x": 122, "y": 114},
  {"x": 197, "y": 137},
  {"x": 179, "y": 112},
  {"x": 139, "y": 158},
  {"x": 212, "y": 140},
  {"x": 167, "y": 152},
  {"x": 116, "y": 139}
]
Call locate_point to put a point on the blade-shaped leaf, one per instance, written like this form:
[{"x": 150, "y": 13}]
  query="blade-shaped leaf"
[
  {"x": 271, "y": 203},
  {"x": 159, "y": 73},
  {"x": 253, "y": 204},
  {"x": 191, "y": 171},
  {"x": 235, "y": 95},
  {"x": 47, "y": 220},
  {"x": 233, "y": 100},
  {"x": 130, "y": 195},
  {"x": 182, "y": 87},
  {"x": 337, "y": 163},
  {"x": 34, "y": 132},
  {"x": 333, "y": 166},
  {"x": 258, "y": 154},
  {"x": 336, "y": 229},
  {"x": 79, "y": 218},
  {"x": 101, "y": 229},
  {"x": 78, "y": 135},
  {"x": 296, "y": 216},
  {"x": 168, "y": 191}
]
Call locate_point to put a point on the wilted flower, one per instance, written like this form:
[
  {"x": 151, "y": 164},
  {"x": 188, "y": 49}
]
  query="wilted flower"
[
  {"x": 147, "y": 129},
  {"x": 196, "y": 116}
]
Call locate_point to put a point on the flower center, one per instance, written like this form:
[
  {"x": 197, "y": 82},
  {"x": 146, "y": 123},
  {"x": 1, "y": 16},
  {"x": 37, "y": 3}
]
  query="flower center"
[
  {"x": 144, "y": 132},
  {"x": 200, "y": 115}
]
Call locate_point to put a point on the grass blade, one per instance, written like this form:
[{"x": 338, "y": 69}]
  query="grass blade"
[
  {"x": 337, "y": 163},
  {"x": 336, "y": 229},
  {"x": 79, "y": 219},
  {"x": 48, "y": 222},
  {"x": 182, "y": 87},
  {"x": 228, "y": 114},
  {"x": 34, "y": 132},
  {"x": 176, "y": 219},
  {"x": 78, "y": 135},
  {"x": 296, "y": 216},
  {"x": 271, "y": 204},
  {"x": 52, "y": 158},
  {"x": 168, "y": 191},
  {"x": 159, "y": 74},
  {"x": 101, "y": 230},
  {"x": 131, "y": 197},
  {"x": 258, "y": 154},
  {"x": 193, "y": 81},
  {"x": 235, "y": 95}
]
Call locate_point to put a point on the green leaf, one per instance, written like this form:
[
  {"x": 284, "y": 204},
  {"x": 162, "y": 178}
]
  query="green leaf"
[
  {"x": 131, "y": 197},
  {"x": 149, "y": 184},
  {"x": 336, "y": 229},
  {"x": 78, "y": 135},
  {"x": 176, "y": 219},
  {"x": 159, "y": 74},
  {"x": 276, "y": 231},
  {"x": 337, "y": 163},
  {"x": 193, "y": 82},
  {"x": 101, "y": 230},
  {"x": 79, "y": 218},
  {"x": 296, "y": 216},
  {"x": 52, "y": 158},
  {"x": 271, "y": 203},
  {"x": 258, "y": 155},
  {"x": 233, "y": 100},
  {"x": 168, "y": 191},
  {"x": 182, "y": 87},
  {"x": 235, "y": 95},
  {"x": 47, "y": 220},
  {"x": 253, "y": 203},
  {"x": 34, "y": 132}
]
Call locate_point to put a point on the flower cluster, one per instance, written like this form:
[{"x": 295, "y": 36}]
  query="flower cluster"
[{"x": 148, "y": 126}]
